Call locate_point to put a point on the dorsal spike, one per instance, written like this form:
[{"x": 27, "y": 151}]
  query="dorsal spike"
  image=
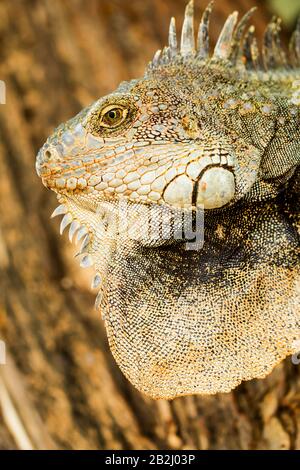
[
  {"x": 297, "y": 42},
  {"x": 250, "y": 50},
  {"x": 203, "y": 32},
  {"x": 228, "y": 48},
  {"x": 223, "y": 47},
  {"x": 267, "y": 49},
  {"x": 165, "y": 56},
  {"x": 294, "y": 46},
  {"x": 292, "y": 50},
  {"x": 172, "y": 37},
  {"x": 282, "y": 58},
  {"x": 273, "y": 54},
  {"x": 238, "y": 34},
  {"x": 156, "y": 58},
  {"x": 187, "y": 46}
]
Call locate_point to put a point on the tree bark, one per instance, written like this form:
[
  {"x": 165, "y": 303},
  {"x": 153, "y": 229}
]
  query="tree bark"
[{"x": 60, "y": 387}]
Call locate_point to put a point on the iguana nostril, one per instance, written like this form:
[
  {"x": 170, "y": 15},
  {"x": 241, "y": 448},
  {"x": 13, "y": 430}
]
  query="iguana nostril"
[
  {"x": 50, "y": 153},
  {"x": 47, "y": 155}
]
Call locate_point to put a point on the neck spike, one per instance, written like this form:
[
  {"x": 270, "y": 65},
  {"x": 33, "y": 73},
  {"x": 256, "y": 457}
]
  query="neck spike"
[
  {"x": 173, "y": 38},
  {"x": 273, "y": 54},
  {"x": 238, "y": 35},
  {"x": 250, "y": 50},
  {"x": 203, "y": 33},
  {"x": 234, "y": 47},
  {"x": 187, "y": 46},
  {"x": 295, "y": 46},
  {"x": 223, "y": 47}
]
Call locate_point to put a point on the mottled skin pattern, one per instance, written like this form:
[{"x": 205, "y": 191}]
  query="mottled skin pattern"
[{"x": 219, "y": 133}]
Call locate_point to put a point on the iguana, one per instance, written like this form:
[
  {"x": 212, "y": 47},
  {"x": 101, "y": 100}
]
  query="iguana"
[{"x": 202, "y": 136}]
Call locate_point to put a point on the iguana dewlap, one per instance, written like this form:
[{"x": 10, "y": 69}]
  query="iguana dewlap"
[{"x": 216, "y": 132}]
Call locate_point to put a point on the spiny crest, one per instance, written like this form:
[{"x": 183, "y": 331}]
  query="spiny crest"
[{"x": 235, "y": 46}]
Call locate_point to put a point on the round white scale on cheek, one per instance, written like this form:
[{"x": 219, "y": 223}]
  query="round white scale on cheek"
[
  {"x": 216, "y": 188},
  {"x": 179, "y": 192}
]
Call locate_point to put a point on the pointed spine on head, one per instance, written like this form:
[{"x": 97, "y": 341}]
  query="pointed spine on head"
[
  {"x": 233, "y": 48},
  {"x": 165, "y": 56},
  {"x": 173, "y": 38},
  {"x": 203, "y": 33},
  {"x": 250, "y": 51},
  {"x": 272, "y": 52},
  {"x": 156, "y": 58},
  {"x": 238, "y": 35},
  {"x": 223, "y": 47},
  {"x": 187, "y": 45},
  {"x": 294, "y": 46}
]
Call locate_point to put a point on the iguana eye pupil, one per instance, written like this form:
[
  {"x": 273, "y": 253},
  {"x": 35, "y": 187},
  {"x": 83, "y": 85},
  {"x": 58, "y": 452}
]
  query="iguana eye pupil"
[
  {"x": 113, "y": 114},
  {"x": 113, "y": 117}
]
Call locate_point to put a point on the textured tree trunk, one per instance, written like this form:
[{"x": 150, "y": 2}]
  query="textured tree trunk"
[{"x": 61, "y": 387}]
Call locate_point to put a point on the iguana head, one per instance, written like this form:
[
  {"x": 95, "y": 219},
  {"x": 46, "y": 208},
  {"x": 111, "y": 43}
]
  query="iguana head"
[
  {"x": 215, "y": 132},
  {"x": 174, "y": 137}
]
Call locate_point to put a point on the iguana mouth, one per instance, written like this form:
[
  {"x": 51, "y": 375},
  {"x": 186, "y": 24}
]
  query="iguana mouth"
[{"x": 206, "y": 180}]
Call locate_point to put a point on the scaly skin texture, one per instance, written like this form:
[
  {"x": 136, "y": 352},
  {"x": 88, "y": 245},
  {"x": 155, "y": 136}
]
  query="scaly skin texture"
[{"x": 219, "y": 133}]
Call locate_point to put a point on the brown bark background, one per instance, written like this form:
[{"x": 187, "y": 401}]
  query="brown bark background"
[{"x": 61, "y": 387}]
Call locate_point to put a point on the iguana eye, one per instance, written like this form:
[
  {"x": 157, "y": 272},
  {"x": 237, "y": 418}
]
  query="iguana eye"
[{"x": 112, "y": 116}]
